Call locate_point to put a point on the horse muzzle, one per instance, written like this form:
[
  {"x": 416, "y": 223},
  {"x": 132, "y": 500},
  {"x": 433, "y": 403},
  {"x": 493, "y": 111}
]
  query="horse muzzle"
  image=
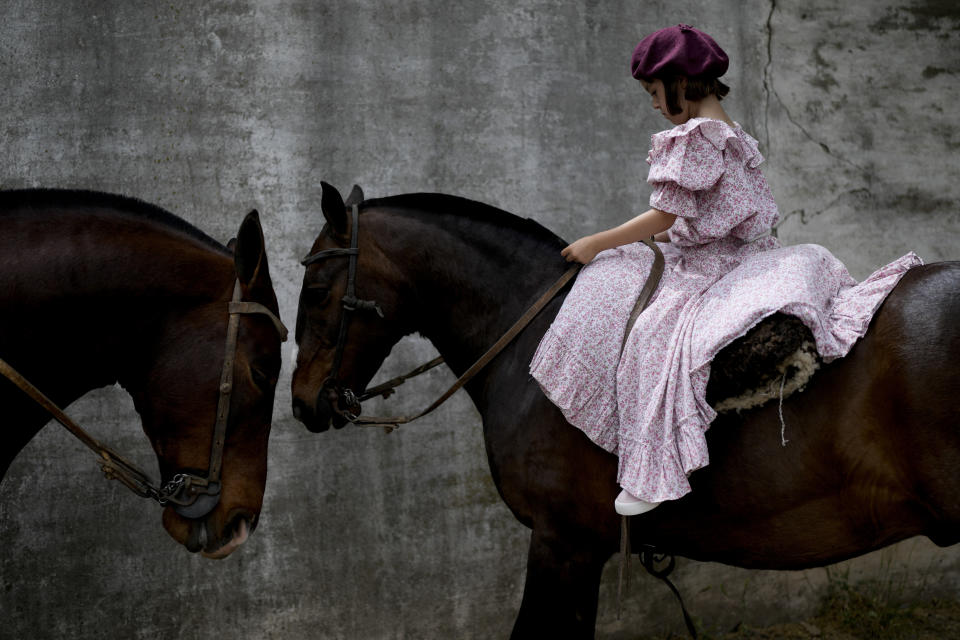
[
  {"x": 334, "y": 405},
  {"x": 216, "y": 538}
]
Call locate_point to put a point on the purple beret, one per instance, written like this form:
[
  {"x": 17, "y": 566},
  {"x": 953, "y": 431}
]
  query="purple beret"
[{"x": 680, "y": 50}]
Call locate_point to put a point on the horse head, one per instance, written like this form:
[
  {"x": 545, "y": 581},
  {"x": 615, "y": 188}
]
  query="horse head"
[
  {"x": 176, "y": 395},
  {"x": 344, "y": 332}
]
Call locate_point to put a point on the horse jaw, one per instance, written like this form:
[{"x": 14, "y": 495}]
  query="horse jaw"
[{"x": 239, "y": 537}]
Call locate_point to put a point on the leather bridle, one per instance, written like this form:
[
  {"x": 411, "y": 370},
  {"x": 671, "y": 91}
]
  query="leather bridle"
[
  {"x": 350, "y": 303},
  {"x": 192, "y": 496},
  {"x": 347, "y": 398}
]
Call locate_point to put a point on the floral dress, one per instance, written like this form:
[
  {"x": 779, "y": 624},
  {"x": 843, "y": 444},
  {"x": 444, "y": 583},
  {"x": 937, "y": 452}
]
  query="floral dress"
[{"x": 724, "y": 273}]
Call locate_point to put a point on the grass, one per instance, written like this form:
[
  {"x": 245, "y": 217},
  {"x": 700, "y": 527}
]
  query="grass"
[{"x": 869, "y": 610}]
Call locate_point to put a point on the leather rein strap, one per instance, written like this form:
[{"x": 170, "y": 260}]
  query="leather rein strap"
[
  {"x": 192, "y": 496},
  {"x": 653, "y": 280},
  {"x": 350, "y": 303},
  {"x": 392, "y": 423},
  {"x": 113, "y": 464}
]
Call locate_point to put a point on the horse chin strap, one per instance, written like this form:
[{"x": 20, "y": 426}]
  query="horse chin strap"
[{"x": 190, "y": 495}]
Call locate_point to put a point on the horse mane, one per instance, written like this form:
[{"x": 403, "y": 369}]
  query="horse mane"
[
  {"x": 466, "y": 208},
  {"x": 82, "y": 199}
]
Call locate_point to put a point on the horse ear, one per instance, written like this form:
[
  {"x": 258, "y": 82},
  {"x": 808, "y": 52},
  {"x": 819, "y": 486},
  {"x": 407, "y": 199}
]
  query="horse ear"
[
  {"x": 232, "y": 245},
  {"x": 331, "y": 202},
  {"x": 250, "y": 254},
  {"x": 355, "y": 197}
]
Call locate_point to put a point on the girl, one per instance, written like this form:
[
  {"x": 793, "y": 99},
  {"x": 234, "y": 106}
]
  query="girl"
[{"x": 713, "y": 211}]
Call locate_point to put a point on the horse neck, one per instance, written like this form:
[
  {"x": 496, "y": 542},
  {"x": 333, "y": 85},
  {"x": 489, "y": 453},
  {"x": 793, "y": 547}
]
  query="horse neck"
[
  {"x": 97, "y": 287},
  {"x": 107, "y": 255},
  {"x": 472, "y": 278}
]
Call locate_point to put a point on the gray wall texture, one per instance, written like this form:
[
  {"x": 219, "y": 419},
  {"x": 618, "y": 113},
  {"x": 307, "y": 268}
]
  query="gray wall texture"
[{"x": 211, "y": 108}]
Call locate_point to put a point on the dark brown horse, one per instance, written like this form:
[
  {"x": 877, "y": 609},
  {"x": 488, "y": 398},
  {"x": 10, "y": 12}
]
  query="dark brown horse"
[
  {"x": 97, "y": 289},
  {"x": 874, "y": 443}
]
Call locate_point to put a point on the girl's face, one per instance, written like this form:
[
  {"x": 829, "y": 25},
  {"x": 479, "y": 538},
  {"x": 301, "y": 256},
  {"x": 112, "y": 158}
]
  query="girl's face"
[{"x": 658, "y": 92}]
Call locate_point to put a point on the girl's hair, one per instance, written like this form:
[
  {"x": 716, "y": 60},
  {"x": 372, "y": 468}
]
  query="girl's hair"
[{"x": 698, "y": 88}]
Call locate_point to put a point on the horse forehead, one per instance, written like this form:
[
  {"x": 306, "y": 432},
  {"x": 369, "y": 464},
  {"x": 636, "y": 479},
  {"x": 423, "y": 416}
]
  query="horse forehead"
[{"x": 327, "y": 238}]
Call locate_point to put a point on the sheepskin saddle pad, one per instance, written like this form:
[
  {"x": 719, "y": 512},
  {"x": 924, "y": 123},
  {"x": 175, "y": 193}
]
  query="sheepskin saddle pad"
[{"x": 774, "y": 359}]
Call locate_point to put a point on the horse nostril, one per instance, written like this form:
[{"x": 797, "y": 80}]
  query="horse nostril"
[
  {"x": 314, "y": 420},
  {"x": 301, "y": 411}
]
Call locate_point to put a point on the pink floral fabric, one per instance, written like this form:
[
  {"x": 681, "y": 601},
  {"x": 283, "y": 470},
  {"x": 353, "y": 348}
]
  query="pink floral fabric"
[
  {"x": 648, "y": 405},
  {"x": 707, "y": 173}
]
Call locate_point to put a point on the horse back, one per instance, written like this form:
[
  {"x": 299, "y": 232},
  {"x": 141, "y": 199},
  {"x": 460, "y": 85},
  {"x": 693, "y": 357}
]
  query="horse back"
[{"x": 864, "y": 457}]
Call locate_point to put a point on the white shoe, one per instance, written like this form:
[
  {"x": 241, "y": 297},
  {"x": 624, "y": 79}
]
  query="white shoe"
[{"x": 628, "y": 504}]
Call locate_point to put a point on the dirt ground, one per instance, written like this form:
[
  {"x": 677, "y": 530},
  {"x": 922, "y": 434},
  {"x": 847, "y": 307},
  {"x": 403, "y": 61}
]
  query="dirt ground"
[{"x": 854, "y": 614}]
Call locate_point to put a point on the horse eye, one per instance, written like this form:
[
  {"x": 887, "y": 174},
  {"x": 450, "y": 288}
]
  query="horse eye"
[
  {"x": 260, "y": 378},
  {"x": 318, "y": 294}
]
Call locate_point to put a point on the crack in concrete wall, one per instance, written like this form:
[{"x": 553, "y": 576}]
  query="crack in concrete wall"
[{"x": 770, "y": 89}]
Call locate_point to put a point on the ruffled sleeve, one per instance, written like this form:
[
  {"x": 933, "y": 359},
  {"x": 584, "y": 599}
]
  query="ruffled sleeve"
[
  {"x": 682, "y": 161},
  {"x": 690, "y": 158}
]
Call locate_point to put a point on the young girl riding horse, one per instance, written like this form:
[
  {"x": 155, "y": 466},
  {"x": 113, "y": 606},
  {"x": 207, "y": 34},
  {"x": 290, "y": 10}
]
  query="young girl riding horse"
[{"x": 711, "y": 212}]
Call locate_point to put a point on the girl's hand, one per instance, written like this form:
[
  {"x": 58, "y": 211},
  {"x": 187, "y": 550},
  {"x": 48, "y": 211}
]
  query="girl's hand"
[
  {"x": 643, "y": 226},
  {"x": 582, "y": 251}
]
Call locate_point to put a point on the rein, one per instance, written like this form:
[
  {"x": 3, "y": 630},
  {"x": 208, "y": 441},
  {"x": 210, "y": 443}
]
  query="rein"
[
  {"x": 350, "y": 304},
  {"x": 191, "y": 496},
  {"x": 392, "y": 423}
]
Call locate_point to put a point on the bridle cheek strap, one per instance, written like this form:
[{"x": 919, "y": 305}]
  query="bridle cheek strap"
[
  {"x": 349, "y": 301},
  {"x": 195, "y": 496},
  {"x": 236, "y": 308}
]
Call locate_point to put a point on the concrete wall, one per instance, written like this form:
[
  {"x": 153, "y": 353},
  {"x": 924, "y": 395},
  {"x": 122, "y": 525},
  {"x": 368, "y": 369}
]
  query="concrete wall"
[{"x": 210, "y": 108}]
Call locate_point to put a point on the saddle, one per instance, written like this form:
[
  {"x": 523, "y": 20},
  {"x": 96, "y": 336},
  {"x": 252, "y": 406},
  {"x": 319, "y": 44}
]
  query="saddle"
[{"x": 774, "y": 359}]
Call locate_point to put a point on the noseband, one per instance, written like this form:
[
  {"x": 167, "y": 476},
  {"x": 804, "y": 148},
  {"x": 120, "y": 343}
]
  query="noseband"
[{"x": 192, "y": 496}]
